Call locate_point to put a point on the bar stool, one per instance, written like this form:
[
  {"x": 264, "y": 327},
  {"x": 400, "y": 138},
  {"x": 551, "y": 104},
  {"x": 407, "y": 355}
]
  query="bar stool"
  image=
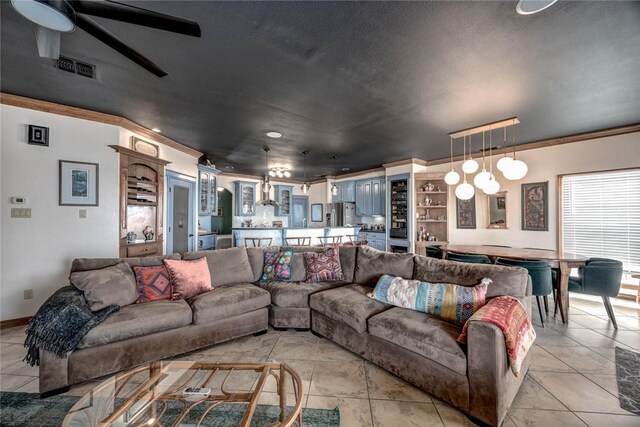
[
  {"x": 354, "y": 238},
  {"x": 256, "y": 242},
  {"x": 297, "y": 241},
  {"x": 330, "y": 240}
]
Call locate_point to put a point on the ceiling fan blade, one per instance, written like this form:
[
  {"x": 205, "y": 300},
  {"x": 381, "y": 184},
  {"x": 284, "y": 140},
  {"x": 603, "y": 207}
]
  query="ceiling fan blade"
[
  {"x": 48, "y": 42},
  {"x": 111, "y": 40},
  {"x": 135, "y": 15}
]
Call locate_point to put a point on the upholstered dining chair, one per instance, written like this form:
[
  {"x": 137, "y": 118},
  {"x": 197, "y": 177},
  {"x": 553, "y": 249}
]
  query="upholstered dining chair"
[
  {"x": 601, "y": 277},
  {"x": 434, "y": 252},
  {"x": 256, "y": 242},
  {"x": 473, "y": 259},
  {"x": 541, "y": 280}
]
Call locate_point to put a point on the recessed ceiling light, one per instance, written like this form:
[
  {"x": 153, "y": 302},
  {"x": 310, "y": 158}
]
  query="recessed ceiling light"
[
  {"x": 229, "y": 167},
  {"x": 156, "y": 130},
  {"x": 529, "y": 7},
  {"x": 274, "y": 134}
]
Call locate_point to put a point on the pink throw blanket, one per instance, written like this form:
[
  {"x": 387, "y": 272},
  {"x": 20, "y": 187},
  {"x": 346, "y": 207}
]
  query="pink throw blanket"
[{"x": 507, "y": 313}]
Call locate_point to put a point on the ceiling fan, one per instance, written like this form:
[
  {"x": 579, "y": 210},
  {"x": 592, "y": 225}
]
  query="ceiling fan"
[{"x": 52, "y": 17}]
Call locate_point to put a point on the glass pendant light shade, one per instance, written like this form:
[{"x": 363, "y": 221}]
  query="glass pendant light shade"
[
  {"x": 305, "y": 188},
  {"x": 491, "y": 187},
  {"x": 504, "y": 163},
  {"x": 516, "y": 170},
  {"x": 452, "y": 178},
  {"x": 334, "y": 190},
  {"x": 481, "y": 179},
  {"x": 465, "y": 191},
  {"x": 470, "y": 166},
  {"x": 266, "y": 187}
]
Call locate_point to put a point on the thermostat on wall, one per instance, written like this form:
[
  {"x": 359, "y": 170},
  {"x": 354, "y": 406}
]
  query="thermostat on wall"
[{"x": 18, "y": 200}]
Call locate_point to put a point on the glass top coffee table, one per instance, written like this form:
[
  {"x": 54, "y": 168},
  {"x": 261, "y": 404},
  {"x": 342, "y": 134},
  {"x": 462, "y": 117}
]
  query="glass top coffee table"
[{"x": 183, "y": 393}]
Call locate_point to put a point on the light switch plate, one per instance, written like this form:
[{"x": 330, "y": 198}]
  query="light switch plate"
[
  {"x": 82, "y": 213},
  {"x": 20, "y": 212}
]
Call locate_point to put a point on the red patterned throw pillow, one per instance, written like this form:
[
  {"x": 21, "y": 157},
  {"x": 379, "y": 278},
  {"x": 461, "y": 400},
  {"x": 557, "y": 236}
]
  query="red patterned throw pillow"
[
  {"x": 323, "y": 266},
  {"x": 153, "y": 283},
  {"x": 188, "y": 278}
]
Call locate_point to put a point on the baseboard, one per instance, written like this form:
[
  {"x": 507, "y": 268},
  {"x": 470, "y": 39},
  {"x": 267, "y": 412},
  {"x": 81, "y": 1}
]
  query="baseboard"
[{"x": 4, "y": 324}]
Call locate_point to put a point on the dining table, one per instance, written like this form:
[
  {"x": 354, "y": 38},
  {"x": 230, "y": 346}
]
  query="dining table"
[{"x": 559, "y": 260}]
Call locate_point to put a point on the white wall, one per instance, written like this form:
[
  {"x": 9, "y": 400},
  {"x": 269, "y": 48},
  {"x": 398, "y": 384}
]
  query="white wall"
[
  {"x": 37, "y": 253},
  {"x": 545, "y": 164}
]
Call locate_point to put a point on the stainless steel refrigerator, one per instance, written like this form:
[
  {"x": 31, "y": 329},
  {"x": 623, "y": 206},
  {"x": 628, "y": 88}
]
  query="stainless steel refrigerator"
[{"x": 341, "y": 214}]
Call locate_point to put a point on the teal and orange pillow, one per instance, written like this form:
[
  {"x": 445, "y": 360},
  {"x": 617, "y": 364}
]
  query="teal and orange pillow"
[
  {"x": 277, "y": 265},
  {"x": 153, "y": 283}
]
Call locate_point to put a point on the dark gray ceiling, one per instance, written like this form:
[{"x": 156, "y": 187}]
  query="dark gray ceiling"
[{"x": 370, "y": 82}]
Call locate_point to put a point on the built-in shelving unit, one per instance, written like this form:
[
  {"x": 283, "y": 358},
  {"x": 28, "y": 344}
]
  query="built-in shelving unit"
[{"x": 431, "y": 217}]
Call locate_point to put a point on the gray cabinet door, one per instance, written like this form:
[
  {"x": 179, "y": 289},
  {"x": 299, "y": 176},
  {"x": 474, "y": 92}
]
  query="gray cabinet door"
[
  {"x": 348, "y": 191},
  {"x": 360, "y": 200},
  {"x": 367, "y": 199},
  {"x": 377, "y": 197},
  {"x": 245, "y": 198}
]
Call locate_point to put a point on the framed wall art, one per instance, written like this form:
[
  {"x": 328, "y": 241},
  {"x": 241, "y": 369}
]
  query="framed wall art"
[
  {"x": 535, "y": 206},
  {"x": 497, "y": 206},
  {"x": 78, "y": 183},
  {"x": 466, "y": 213},
  {"x": 38, "y": 135},
  {"x": 144, "y": 147}
]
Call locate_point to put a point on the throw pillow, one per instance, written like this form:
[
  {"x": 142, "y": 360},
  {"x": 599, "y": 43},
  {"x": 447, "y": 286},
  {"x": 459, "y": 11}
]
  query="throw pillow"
[
  {"x": 188, "y": 278},
  {"x": 277, "y": 265},
  {"x": 153, "y": 283},
  {"x": 445, "y": 300},
  {"x": 106, "y": 286},
  {"x": 323, "y": 266}
]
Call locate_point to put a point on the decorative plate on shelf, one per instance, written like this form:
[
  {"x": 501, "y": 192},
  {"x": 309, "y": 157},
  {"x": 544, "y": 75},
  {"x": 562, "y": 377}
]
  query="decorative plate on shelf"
[{"x": 144, "y": 147}]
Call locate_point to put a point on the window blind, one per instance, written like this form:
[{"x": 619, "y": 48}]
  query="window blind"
[{"x": 601, "y": 216}]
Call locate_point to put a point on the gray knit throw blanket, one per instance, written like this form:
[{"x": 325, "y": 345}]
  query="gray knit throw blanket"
[{"x": 62, "y": 321}]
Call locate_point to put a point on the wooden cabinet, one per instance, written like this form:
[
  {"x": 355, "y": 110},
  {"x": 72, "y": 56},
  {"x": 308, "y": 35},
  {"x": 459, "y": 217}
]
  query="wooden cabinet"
[
  {"x": 141, "y": 203},
  {"x": 245, "y": 198},
  {"x": 207, "y": 190},
  {"x": 370, "y": 197},
  {"x": 346, "y": 192},
  {"x": 283, "y": 198},
  {"x": 432, "y": 219}
]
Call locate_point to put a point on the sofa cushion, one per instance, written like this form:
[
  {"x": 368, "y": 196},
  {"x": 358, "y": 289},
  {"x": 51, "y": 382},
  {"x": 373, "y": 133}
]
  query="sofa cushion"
[
  {"x": 278, "y": 265},
  {"x": 188, "y": 277},
  {"x": 296, "y": 294},
  {"x": 225, "y": 265},
  {"x": 506, "y": 280},
  {"x": 84, "y": 264},
  {"x": 138, "y": 320},
  {"x": 154, "y": 283},
  {"x": 371, "y": 264},
  {"x": 348, "y": 304},
  {"x": 421, "y": 333},
  {"x": 227, "y": 301},
  {"x": 323, "y": 266},
  {"x": 106, "y": 286}
]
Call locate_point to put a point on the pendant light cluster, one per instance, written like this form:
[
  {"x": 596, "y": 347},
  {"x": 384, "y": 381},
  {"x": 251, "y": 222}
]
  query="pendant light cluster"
[
  {"x": 511, "y": 168},
  {"x": 305, "y": 185},
  {"x": 334, "y": 187}
]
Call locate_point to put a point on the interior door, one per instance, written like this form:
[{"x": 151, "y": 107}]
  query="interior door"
[
  {"x": 299, "y": 211},
  {"x": 180, "y": 214}
]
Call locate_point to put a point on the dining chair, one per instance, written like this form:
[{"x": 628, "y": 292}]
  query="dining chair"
[
  {"x": 297, "y": 241},
  {"x": 330, "y": 240},
  {"x": 256, "y": 242},
  {"x": 601, "y": 277},
  {"x": 433, "y": 252},
  {"x": 541, "y": 280},
  {"x": 474, "y": 259}
]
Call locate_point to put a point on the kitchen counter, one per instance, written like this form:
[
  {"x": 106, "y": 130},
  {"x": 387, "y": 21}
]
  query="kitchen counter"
[
  {"x": 278, "y": 235},
  {"x": 293, "y": 228}
]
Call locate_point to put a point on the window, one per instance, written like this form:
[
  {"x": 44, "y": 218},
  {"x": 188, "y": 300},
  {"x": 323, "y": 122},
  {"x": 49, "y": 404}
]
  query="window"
[{"x": 601, "y": 215}]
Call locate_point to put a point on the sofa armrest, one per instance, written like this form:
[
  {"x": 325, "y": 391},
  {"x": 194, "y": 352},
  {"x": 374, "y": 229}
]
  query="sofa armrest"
[
  {"x": 53, "y": 373},
  {"x": 492, "y": 384}
]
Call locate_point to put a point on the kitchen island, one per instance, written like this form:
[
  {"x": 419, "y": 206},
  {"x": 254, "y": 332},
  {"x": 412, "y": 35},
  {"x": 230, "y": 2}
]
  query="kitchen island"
[{"x": 279, "y": 234}]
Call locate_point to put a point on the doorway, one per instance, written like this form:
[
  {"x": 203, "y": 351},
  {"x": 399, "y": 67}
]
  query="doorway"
[
  {"x": 180, "y": 213},
  {"x": 299, "y": 211}
]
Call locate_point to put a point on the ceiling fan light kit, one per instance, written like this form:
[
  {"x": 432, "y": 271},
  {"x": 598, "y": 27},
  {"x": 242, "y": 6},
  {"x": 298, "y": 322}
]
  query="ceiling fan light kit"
[{"x": 55, "y": 15}]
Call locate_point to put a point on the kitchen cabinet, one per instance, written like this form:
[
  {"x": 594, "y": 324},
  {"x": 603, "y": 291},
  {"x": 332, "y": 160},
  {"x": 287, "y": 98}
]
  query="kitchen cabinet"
[
  {"x": 346, "y": 192},
  {"x": 370, "y": 197},
  {"x": 245, "y": 198},
  {"x": 207, "y": 190},
  {"x": 283, "y": 198},
  {"x": 374, "y": 240}
]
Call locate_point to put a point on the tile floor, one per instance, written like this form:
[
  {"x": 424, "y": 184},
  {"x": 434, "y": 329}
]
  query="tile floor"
[{"x": 571, "y": 381}]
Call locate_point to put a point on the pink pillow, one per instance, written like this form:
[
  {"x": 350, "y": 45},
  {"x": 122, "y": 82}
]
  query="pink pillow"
[{"x": 188, "y": 278}]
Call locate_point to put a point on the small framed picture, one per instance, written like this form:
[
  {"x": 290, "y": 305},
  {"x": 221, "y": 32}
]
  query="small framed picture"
[
  {"x": 38, "y": 135},
  {"x": 78, "y": 183},
  {"x": 466, "y": 213},
  {"x": 316, "y": 212},
  {"x": 144, "y": 147},
  {"x": 535, "y": 206}
]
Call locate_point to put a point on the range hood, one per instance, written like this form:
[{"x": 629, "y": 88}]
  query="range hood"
[{"x": 266, "y": 201}]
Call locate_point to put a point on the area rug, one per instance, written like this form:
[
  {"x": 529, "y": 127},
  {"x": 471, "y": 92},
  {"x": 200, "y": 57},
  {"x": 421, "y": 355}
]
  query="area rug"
[
  {"x": 27, "y": 409},
  {"x": 628, "y": 374}
]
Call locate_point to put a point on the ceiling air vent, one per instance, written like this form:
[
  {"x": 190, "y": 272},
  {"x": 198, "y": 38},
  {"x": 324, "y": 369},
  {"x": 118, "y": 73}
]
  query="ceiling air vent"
[{"x": 77, "y": 67}]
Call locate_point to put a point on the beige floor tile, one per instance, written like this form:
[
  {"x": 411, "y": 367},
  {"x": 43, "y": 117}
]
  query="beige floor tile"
[
  {"x": 533, "y": 396},
  {"x": 353, "y": 412},
  {"x": 609, "y": 352},
  {"x": 607, "y": 382},
  {"x": 250, "y": 346},
  {"x": 13, "y": 335},
  {"x": 384, "y": 385},
  {"x": 452, "y": 417},
  {"x": 547, "y": 336},
  {"x": 31, "y": 387},
  {"x": 583, "y": 359},
  {"x": 609, "y": 420},
  {"x": 328, "y": 350},
  {"x": 304, "y": 368},
  {"x": 628, "y": 322},
  {"x": 578, "y": 393},
  {"x": 295, "y": 346},
  {"x": 13, "y": 382},
  {"x": 11, "y": 355},
  {"x": 629, "y": 338},
  {"x": 542, "y": 360},
  {"x": 543, "y": 418},
  {"x": 394, "y": 413},
  {"x": 589, "y": 338},
  {"x": 340, "y": 379},
  {"x": 236, "y": 380},
  {"x": 592, "y": 322}
]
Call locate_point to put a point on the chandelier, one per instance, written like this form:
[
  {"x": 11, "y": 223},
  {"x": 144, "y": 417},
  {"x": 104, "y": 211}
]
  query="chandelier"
[{"x": 279, "y": 171}]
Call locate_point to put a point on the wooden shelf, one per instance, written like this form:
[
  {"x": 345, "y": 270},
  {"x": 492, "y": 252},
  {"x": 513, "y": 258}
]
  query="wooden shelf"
[
  {"x": 431, "y": 192},
  {"x": 431, "y": 220},
  {"x": 133, "y": 203},
  {"x": 431, "y": 207},
  {"x": 143, "y": 193},
  {"x": 137, "y": 181},
  {"x": 431, "y": 227}
]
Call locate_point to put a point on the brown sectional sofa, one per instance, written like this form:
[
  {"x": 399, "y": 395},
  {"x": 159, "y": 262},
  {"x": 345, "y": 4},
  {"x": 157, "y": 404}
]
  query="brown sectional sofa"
[{"x": 415, "y": 346}]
